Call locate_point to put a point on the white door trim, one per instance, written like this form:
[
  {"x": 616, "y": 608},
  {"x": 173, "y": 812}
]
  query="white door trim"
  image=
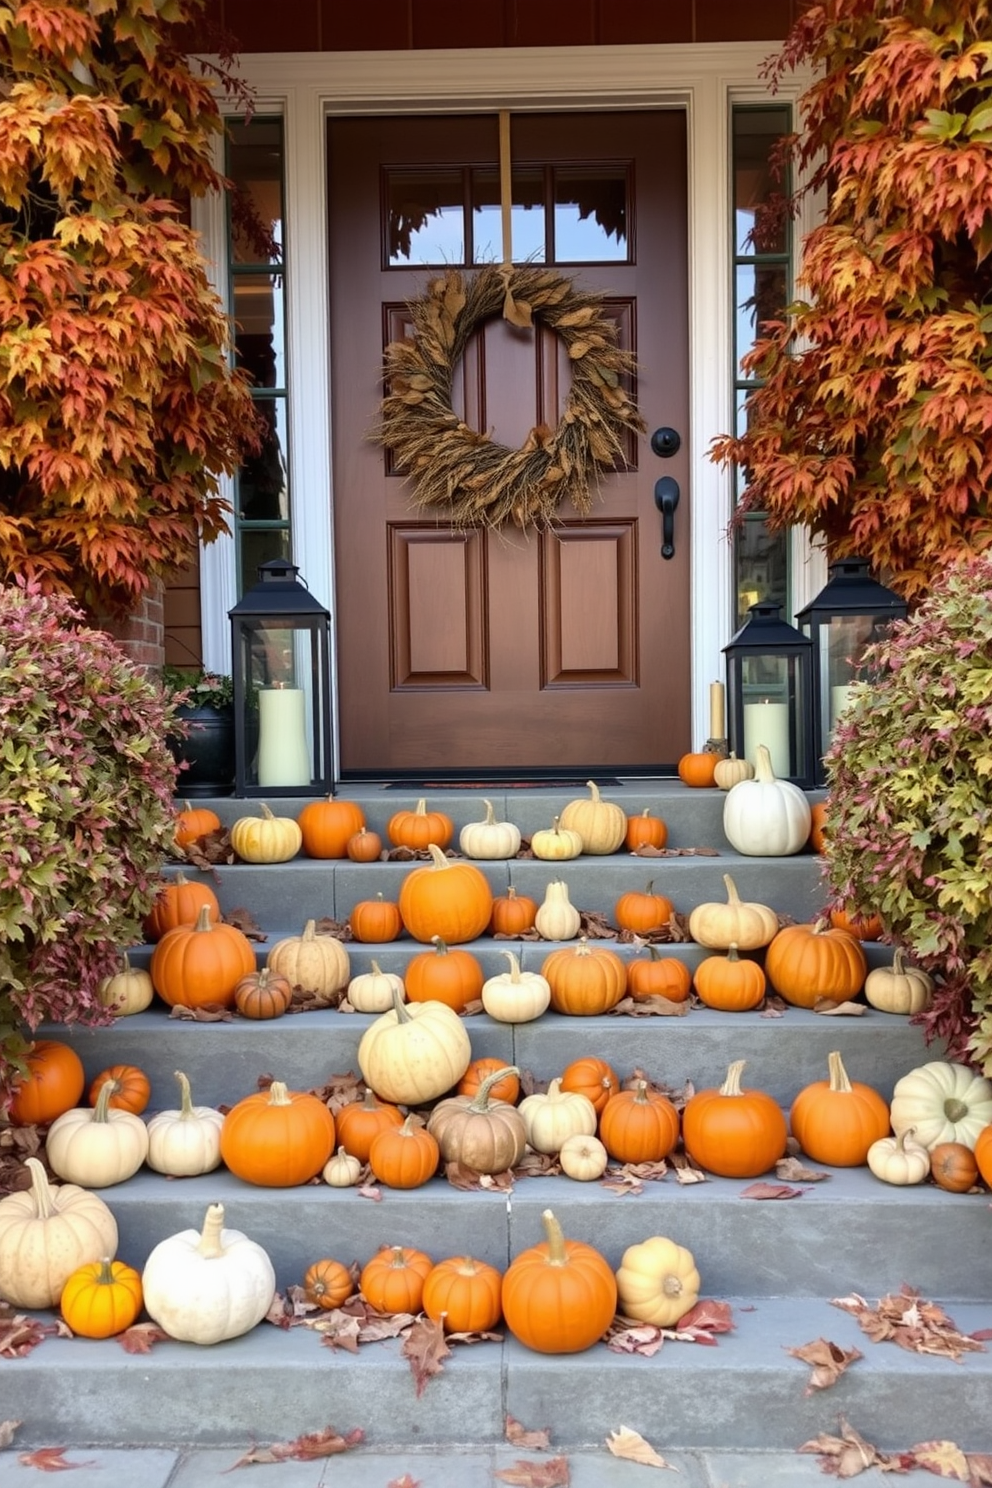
[{"x": 704, "y": 80}]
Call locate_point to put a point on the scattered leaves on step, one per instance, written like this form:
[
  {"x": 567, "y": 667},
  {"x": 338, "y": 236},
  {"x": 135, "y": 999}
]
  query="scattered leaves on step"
[
  {"x": 212, "y": 848},
  {"x": 20, "y": 1334},
  {"x": 355, "y": 1322},
  {"x": 460, "y": 1176},
  {"x": 674, "y": 931},
  {"x": 340, "y": 1090},
  {"x": 406, "y": 1481},
  {"x": 685, "y": 1170},
  {"x": 631, "y": 1177},
  {"x": 830, "y": 1009},
  {"x": 827, "y": 1360},
  {"x": 980, "y": 1468},
  {"x": 425, "y": 1347},
  {"x": 945, "y": 1458},
  {"x": 905, "y": 1318},
  {"x": 50, "y": 1459},
  {"x": 707, "y": 1317},
  {"x": 791, "y": 1170},
  {"x": 647, "y": 1007},
  {"x": 141, "y": 1337},
  {"x": 307, "y": 1448},
  {"x": 519, "y": 1436},
  {"x": 370, "y": 1191},
  {"x": 772, "y": 1007},
  {"x": 700, "y": 1325},
  {"x": 647, "y": 851},
  {"x": 7, "y": 1429},
  {"x": 848, "y": 1455},
  {"x": 765, "y": 1190},
  {"x": 472, "y": 1008},
  {"x": 594, "y": 925},
  {"x": 242, "y": 919},
  {"x": 210, "y": 1012},
  {"x": 537, "y": 1165},
  {"x": 552, "y": 1473},
  {"x": 632, "y": 1446}
]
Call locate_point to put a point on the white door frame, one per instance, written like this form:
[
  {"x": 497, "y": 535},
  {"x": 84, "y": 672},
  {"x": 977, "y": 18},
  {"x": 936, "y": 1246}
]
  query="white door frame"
[{"x": 704, "y": 80}]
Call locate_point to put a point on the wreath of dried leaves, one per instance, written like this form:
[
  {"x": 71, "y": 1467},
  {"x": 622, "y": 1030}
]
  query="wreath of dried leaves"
[{"x": 464, "y": 471}]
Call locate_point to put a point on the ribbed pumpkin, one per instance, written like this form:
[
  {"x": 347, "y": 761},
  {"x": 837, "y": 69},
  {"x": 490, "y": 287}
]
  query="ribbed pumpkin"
[
  {"x": 376, "y": 921},
  {"x": 983, "y": 1154},
  {"x": 327, "y": 825},
  {"x": 318, "y": 964},
  {"x": 420, "y": 828},
  {"x": 200, "y": 965},
  {"x": 127, "y": 991},
  {"x": 277, "y": 1138},
  {"x": 342, "y": 1170},
  {"x": 807, "y": 962},
  {"x": 411, "y": 1055},
  {"x": 560, "y": 1296},
  {"x": 266, "y": 838},
  {"x": 592, "y": 1077},
  {"x": 657, "y": 1282},
  {"x": 485, "y": 1134},
  {"x": 733, "y": 1132},
  {"x": 550, "y": 1118},
  {"x": 513, "y": 913},
  {"x": 363, "y": 846},
  {"x": 556, "y": 844},
  {"x": 194, "y": 823},
  {"x": 360, "y": 1121},
  {"x": 898, "y": 988},
  {"x": 953, "y": 1167},
  {"x": 745, "y": 925},
  {"x": 515, "y": 996},
  {"x": 393, "y": 1280},
  {"x": 639, "y": 1125},
  {"x": 452, "y": 975},
  {"x": 645, "y": 830},
  {"x": 463, "y": 1295},
  {"x": 263, "y": 994},
  {"x": 449, "y": 899},
  {"x": 507, "y": 1088},
  {"x": 643, "y": 911},
  {"x": 729, "y": 983},
  {"x": 658, "y": 976},
  {"x": 490, "y": 838},
  {"x": 179, "y": 902},
  {"x": 585, "y": 980},
  {"x": 404, "y": 1156},
  {"x": 862, "y": 927},
  {"x": 730, "y": 771},
  {"x": 101, "y": 1298},
  {"x": 698, "y": 769},
  {"x": 52, "y": 1083},
  {"x": 766, "y": 817},
  {"x": 602, "y": 825},
  {"x": 46, "y": 1232},
  {"x": 133, "y": 1091},
  {"x": 835, "y": 1121},
  {"x": 328, "y": 1283},
  {"x": 372, "y": 991}
]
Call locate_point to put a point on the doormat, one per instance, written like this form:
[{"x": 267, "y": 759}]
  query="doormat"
[{"x": 604, "y": 780}]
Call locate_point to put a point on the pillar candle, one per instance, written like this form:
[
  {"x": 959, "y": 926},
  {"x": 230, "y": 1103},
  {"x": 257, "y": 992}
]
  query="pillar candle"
[
  {"x": 283, "y": 756},
  {"x": 717, "y": 723},
  {"x": 838, "y": 702},
  {"x": 768, "y": 723}
]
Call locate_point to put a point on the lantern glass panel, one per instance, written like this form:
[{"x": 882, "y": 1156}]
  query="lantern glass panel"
[{"x": 774, "y": 708}]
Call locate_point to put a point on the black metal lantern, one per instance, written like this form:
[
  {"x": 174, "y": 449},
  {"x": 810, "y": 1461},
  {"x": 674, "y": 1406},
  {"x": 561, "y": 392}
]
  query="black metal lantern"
[
  {"x": 851, "y": 611},
  {"x": 769, "y": 693},
  {"x": 280, "y": 652}
]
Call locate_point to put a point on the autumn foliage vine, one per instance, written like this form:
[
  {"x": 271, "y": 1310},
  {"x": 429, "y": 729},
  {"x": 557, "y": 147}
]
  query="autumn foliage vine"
[
  {"x": 119, "y": 411},
  {"x": 872, "y": 421}
]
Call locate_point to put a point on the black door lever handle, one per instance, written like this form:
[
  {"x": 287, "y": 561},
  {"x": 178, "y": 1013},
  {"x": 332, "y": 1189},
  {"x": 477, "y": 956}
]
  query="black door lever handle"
[{"x": 666, "y": 499}]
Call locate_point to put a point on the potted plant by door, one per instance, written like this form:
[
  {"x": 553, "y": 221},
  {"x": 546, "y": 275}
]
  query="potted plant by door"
[{"x": 205, "y": 750}]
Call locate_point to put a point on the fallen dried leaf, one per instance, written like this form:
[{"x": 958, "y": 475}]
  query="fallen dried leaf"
[
  {"x": 827, "y": 1360},
  {"x": 551, "y": 1474},
  {"x": 632, "y": 1446},
  {"x": 425, "y": 1346},
  {"x": 945, "y": 1458},
  {"x": 647, "y": 1007},
  {"x": 210, "y": 1012},
  {"x": 764, "y": 1190},
  {"x": 831, "y": 1009},
  {"x": 848, "y": 1455},
  {"x": 918, "y": 1326},
  {"x": 537, "y": 1165},
  {"x": 370, "y": 1191},
  {"x": 139, "y": 1338},
  {"x": 404, "y": 1482},
  {"x": 50, "y": 1459},
  {"x": 20, "y": 1334},
  {"x": 307, "y": 1448},
  {"x": 980, "y": 1467},
  {"x": 791, "y": 1170},
  {"x": 708, "y": 1317},
  {"x": 519, "y": 1436},
  {"x": 627, "y": 1337}
]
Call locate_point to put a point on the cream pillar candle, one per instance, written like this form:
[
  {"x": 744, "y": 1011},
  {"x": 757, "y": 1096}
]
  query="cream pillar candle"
[
  {"x": 283, "y": 755},
  {"x": 717, "y": 720},
  {"x": 768, "y": 723},
  {"x": 838, "y": 702}
]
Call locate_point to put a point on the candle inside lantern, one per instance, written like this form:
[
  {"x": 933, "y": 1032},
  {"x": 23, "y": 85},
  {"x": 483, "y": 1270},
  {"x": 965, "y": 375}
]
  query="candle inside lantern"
[
  {"x": 768, "y": 723},
  {"x": 717, "y": 722},
  {"x": 839, "y": 697},
  {"x": 283, "y": 755}
]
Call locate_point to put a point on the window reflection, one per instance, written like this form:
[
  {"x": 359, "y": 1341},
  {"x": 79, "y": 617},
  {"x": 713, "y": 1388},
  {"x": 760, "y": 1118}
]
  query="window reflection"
[
  {"x": 258, "y": 329},
  {"x": 762, "y": 292},
  {"x": 527, "y": 217},
  {"x": 255, "y": 170},
  {"x": 591, "y": 216},
  {"x": 425, "y": 217},
  {"x": 756, "y": 133},
  {"x": 263, "y": 486},
  {"x": 761, "y": 566}
]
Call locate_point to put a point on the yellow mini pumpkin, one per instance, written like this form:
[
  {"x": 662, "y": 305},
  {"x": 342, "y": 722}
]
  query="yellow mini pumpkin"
[
  {"x": 266, "y": 838},
  {"x": 601, "y": 825}
]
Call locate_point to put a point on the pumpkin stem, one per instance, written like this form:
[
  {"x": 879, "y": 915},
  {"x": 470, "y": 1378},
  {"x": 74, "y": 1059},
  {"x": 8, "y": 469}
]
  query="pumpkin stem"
[
  {"x": 309, "y": 930},
  {"x": 732, "y": 895},
  {"x": 480, "y": 1103},
  {"x": 955, "y": 1110},
  {"x": 490, "y": 820},
  {"x": 898, "y": 963},
  {"x": 641, "y": 1093},
  {"x": 203, "y": 921},
  {"x": 583, "y": 948},
  {"x": 903, "y": 1137},
  {"x": 732, "y": 1084},
  {"x": 555, "y": 1090},
  {"x": 408, "y": 1129},
  {"x": 732, "y": 951},
  {"x": 185, "y": 1097},
  {"x": 556, "y": 1240},
  {"x": 179, "y": 878},
  {"x": 514, "y": 966},
  {"x": 398, "y": 1263},
  {"x": 441, "y": 946},
  {"x": 41, "y": 1188},
  {"x": 375, "y": 967},
  {"x": 101, "y": 1112},
  {"x": 594, "y": 788},
  {"x": 839, "y": 1080},
  {"x": 438, "y": 858},
  {"x": 763, "y": 771},
  {"x": 399, "y": 1007},
  {"x": 421, "y": 807},
  {"x": 210, "y": 1246},
  {"x": 278, "y": 1094},
  {"x": 125, "y": 964},
  {"x": 671, "y": 1286},
  {"x": 369, "y": 1101},
  {"x": 104, "y": 1277},
  {"x": 266, "y": 812}
]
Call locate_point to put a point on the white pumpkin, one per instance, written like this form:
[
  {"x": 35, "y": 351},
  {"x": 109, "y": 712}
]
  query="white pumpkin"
[
  {"x": 490, "y": 838},
  {"x": 128, "y": 991},
  {"x": 556, "y": 843},
  {"x": 372, "y": 991},
  {"x": 557, "y": 918},
  {"x": 766, "y": 817},
  {"x": 46, "y": 1233},
  {"x": 185, "y": 1143},
  {"x": 898, "y": 988},
  {"x": 516, "y": 996},
  {"x": 414, "y": 1053},
  {"x": 899, "y": 1160},
  {"x": 319, "y": 964},
  {"x": 98, "y": 1146},
  {"x": 342, "y": 1170},
  {"x": 203, "y": 1287},
  {"x": 583, "y": 1158},
  {"x": 550, "y": 1119},
  {"x": 945, "y": 1103}
]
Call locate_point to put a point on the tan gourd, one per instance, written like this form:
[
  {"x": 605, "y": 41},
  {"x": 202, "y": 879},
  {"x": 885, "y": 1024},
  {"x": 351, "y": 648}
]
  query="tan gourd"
[
  {"x": 557, "y": 918},
  {"x": 555, "y": 844},
  {"x": 97, "y": 1146},
  {"x": 745, "y": 925},
  {"x": 342, "y": 1170},
  {"x": 490, "y": 838},
  {"x": 372, "y": 991},
  {"x": 657, "y": 1282},
  {"x": 552, "y": 1117},
  {"x": 266, "y": 838},
  {"x": 186, "y": 1142},
  {"x": 318, "y": 964},
  {"x": 128, "y": 991},
  {"x": 515, "y": 996},
  {"x": 898, "y": 988},
  {"x": 601, "y": 825},
  {"x": 46, "y": 1233},
  {"x": 731, "y": 771},
  {"x": 583, "y": 1158},
  {"x": 208, "y": 1285}
]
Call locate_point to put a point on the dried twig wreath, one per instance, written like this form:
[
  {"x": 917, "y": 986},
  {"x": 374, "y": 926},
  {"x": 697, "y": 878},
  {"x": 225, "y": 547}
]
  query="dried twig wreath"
[{"x": 462, "y": 470}]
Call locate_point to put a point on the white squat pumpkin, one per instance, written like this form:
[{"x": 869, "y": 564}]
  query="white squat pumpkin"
[
  {"x": 414, "y": 1053},
  {"x": 766, "y": 817},
  {"x": 490, "y": 838},
  {"x": 583, "y": 1158},
  {"x": 97, "y": 1146},
  {"x": 372, "y": 991},
  {"x": 46, "y": 1233},
  {"x": 205, "y": 1286},
  {"x": 185, "y": 1143},
  {"x": 945, "y": 1102},
  {"x": 515, "y": 996},
  {"x": 898, "y": 988},
  {"x": 551, "y": 1118}
]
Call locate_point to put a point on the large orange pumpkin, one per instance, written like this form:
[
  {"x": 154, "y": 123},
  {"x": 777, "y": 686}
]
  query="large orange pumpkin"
[
  {"x": 196, "y": 965},
  {"x": 584, "y": 979},
  {"x": 807, "y": 962},
  {"x": 658, "y": 976},
  {"x": 559, "y": 1297},
  {"x": 835, "y": 1121},
  {"x": 446, "y": 898},
  {"x": 52, "y": 1083},
  {"x": 733, "y": 1132},
  {"x": 639, "y": 1125},
  {"x": 179, "y": 902},
  {"x": 419, "y": 828},
  {"x": 327, "y": 825},
  {"x": 450, "y": 975},
  {"x": 278, "y": 1137}
]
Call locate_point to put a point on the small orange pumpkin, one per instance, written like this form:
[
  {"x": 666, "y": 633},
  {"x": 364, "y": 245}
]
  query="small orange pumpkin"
[
  {"x": 730, "y": 983},
  {"x": 364, "y": 846},
  {"x": 645, "y": 831},
  {"x": 263, "y": 994},
  {"x": 643, "y": 912},
  {"x": 513, "y": 913},
  {"x": 699, "y": 769},
  {"x": 983, "y": 1154},
  {"x": 101, "y": 1298},
  {"x": 375, "y": 921},
  {"x": 862, "y": 927},
  {"x": 593, "y": 1078},
  {"x": 507, "y": 1089},
  {"x": 818, "y": 818},
  {"x": 194, "y": 823},
  {"x": 359, "y": 1121},
  {"x": 835, "y": 1121},
  {"x": 277, "y": 1138},
  {"x": 196, "y": 965},
  {"x": 417, "y": 829},
  {"x": 560, "y": 1296},
  {"x": 52, "y": 1083},
  {"x": 404, "y": 1156},
  {"x": 327, "y": 826},
  {"x": 446, "y": 898},
  {"x": 639, "y": 1125},
  {"x": 733, "y": 1132},
  {"x": 328, "y": 1283},
  {"x": 463, "y": 1295},
  {"x": 953, "y": 1167},
  {"x": 585, "y": 980},
  {"x": 446, "y": 974},
  {"x": 658, "y": 976},
  {"x": 393, "y": 1280},
  {"x": 179, "y": 902},
  {"x": 133, "y": 1091}
]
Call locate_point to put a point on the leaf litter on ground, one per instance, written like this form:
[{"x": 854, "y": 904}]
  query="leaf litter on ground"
[
  {"x": 907, "y": 1319},
  {"x": 307, "y": 1448},
  {"x": 632, "y": 1446},
  {"x": 827, "y": 1360},
  {"x": 551, "y": 1473}
]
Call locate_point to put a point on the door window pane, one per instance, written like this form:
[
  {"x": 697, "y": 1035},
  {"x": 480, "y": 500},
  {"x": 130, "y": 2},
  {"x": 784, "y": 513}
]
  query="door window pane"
[
  {"x": 258, "y": 329},
  {"x": 263, "y": 484},
  {"x": 254, "y": 165},
  {"x": 591, "y": 214},
  {"x": 761, "y": 296},
  {"x": 425, "y": 217},
  {"x": 527, "y": 218},
  {"x": 756, "y": 132}
]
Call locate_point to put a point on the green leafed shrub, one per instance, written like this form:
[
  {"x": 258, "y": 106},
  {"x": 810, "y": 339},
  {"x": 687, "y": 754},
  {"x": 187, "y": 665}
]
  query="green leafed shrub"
[
  {"x": 86, "y": 811},
  {"x": 909, "y": 831}
]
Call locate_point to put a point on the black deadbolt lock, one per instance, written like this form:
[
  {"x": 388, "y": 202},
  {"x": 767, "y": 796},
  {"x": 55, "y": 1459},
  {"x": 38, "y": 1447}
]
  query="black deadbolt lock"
[{"x": 666, "y": 442}]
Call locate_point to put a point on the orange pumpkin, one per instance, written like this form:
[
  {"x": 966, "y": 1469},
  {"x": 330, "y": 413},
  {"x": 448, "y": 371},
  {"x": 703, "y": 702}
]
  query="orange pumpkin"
[
  {"x": 658, "y": 976},
  {"x": 179, "y": 902},
  {"x": 263, "y": 994},
  {"x": 983, "y": 1154},
  {"x": 559, "y": 1297},
  {"x": 807, "y": 962},
  {"x": 359, "y": 1121},
  {"x": 449, "y": 975},
  {"x": 278, "y": 1137},
  {"x": 446, "y": 898},
  {"x": 193, "y": 823},
  {"x": 328, "y": 1283},
  {"x": 201, "y": 964},
  {"x": 639, "y": 1125},
  {"x": 52, "y": 1083},
  {"x": 404, "y": 1156},
  {"x": 699, "y": 769},
  {"x": 643, "y": 912},
  {"x": 733, "y": 1132},
  {"x": 953, "y": 1167},
  {"x": 101, "y": 1298},
  {"x": 507, "y": 1089},
  {"x": 730, "y": 983},
  {"x": 645, "y": 831},
  {"x": 585, "y": 980},
  {"x": 327, "y": 825},
  {"x": 818, "y": 818},
  {"x": 835, "y": 1121},
  {"x": 133, "y": 1091},
  {"x": 513, "y": 913},
  {"x": 593, "y": 1078},
  {"x": 862, "y": 927},
  {"x": 417, "y": 829},
  {"x": 375, "y": 921},
  {"x": 364, "y": 846},
  {"x": 393, "y": 1280},
  {"x": 463, "y": 1295}
]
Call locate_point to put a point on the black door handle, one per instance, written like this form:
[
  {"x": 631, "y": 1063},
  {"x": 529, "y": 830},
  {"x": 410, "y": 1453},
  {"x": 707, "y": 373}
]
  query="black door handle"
[{"x": 666, "y": 499}]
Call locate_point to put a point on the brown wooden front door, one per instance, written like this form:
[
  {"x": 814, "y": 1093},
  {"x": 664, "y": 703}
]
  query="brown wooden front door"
[{"x": 487, "y": 652}]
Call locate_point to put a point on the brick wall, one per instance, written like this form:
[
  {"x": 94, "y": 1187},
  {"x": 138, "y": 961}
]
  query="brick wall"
[{"x": 142, "y": 634}]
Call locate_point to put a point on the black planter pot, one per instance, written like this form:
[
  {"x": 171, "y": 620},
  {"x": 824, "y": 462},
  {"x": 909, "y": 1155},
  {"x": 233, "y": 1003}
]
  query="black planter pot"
[{"x": 207, "y": 750}]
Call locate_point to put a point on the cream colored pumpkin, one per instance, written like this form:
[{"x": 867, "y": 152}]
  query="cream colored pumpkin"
[
  {"x": 489, "y": 838},
  {"x": 128, "y": 991},
  {"x": 266, "y": 838},
  {"x": 766, "y": 817},
  {"x": 657, "y": 1282},
  {"x": 515, "y": 996},
  {"x": 746, "y": 925},
  {"x": 372, "y": 991},
  {"x": 944, "y": 1102},
  {"x": 342, "y": 1170},
  {"x": 318, "y": 964},
  {"x": 583, "y": 1158},
  {"x": 185, "y": 1143},
  {"x": 899, "y": 1159},
  {"x": 731, "y": 771},
  {"x": 414, "y": 1053},
  {"x": 46, "y": 1233},
  {"x": 553, "y": 1117},
  {"x": 205, "y": 1286},
  {"x": 554, "y": 844},
  {"x": 97, "y": 1146},
  {"x": 557, "y": 918},
  {"x": 898, "y": 988},
  {"x": 601, "y": 825}
]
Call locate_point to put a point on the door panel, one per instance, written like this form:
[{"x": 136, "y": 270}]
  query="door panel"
[{"x": 563, "y": 649}]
